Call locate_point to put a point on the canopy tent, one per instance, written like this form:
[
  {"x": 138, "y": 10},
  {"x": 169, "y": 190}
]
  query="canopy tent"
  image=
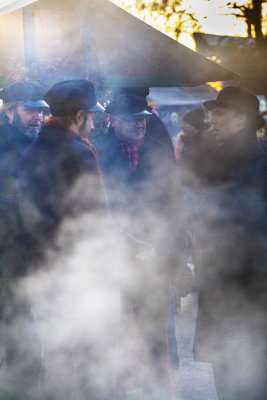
[
  {"x": 7, "y": 6},
  {"x": 174, "y": 96},
  {"x": 130, "y": 52},
  {"x": 142, "y": 55}
]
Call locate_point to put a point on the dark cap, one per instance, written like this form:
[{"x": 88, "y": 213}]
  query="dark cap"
[
  {"x": 238, "y": 99},
  {"x": 196, "y": 118},
  {"x": 128, "y": 105},
  {"x": 26, "y": 93},
  {"x": 68, "y": 97}
]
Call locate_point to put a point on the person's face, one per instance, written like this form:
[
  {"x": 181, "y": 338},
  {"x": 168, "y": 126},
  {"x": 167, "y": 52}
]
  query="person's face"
[
  {"x": 27, "y": 118},
  {"x": 189, "y": 130},
  {"x": 227, "y": 123},
  {"x": 85, "y": 123},
  {"x": 174, "y": 117},
  {"x": 130, "y": 130}
]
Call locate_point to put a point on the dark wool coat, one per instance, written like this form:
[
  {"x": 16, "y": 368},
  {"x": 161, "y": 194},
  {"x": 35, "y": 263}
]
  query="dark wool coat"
[
  {"x": 194, "y": 160},
  {"x": 233, "y": 249},
  {"x": 152, "y": 186},
  {"x": 146, "y": 202},
  {"x": 12, "y": 144},
  {"x": 58, "y": 178},
  {"x": 26, "y": 350}
]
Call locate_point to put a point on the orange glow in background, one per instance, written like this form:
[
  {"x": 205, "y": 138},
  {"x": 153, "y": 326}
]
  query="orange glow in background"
[{"x": 213, "y": 16}]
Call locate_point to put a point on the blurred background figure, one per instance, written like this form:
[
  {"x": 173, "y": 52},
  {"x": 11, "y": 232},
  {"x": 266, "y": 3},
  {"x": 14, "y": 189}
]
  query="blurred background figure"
[
  {"x": 173, "y": 123},
  {"x": 193, "y": 147}
]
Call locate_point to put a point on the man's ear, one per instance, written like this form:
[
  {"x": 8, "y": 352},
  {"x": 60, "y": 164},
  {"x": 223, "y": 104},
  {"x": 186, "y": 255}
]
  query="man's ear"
[
  {"x": 79, "y": 118},
  {"x": 10, "y": 113}
]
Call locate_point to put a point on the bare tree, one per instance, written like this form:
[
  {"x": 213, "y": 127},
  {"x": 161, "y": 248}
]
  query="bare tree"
[
  {"x": 251, "y": 13},
  {"x": 169, "y": 9}
]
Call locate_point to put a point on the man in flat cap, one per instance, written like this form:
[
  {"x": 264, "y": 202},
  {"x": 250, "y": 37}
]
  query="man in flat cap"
[
  {"x": 138, "y": 172},
  {"x": 230, "y": 330},
  {"x": 23, "y": 107},
  {"x": 63, "y": 210},
  {"x": 21, "y": 117},
  {"x": 59, "y": 156},
  {"x": 133, "y": 161}
]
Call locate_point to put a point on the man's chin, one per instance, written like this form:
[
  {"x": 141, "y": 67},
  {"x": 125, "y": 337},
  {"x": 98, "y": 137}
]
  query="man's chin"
[
  {"x": 32, "y": 130},
  {"x": 139, "y": 135}
]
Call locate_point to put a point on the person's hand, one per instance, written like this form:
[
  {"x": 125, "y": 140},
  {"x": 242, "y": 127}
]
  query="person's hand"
[{"x": 143, "y": 251}]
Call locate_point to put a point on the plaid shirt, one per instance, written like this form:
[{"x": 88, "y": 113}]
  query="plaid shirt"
[{"x": 132, "y": 153}]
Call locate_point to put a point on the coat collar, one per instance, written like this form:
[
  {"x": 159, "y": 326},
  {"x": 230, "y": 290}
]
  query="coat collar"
[{"x": 56, "y": 129}]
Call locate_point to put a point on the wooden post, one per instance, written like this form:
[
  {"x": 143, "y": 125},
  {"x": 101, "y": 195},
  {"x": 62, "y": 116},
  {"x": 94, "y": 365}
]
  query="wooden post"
[{"x": 29, "y": 36}]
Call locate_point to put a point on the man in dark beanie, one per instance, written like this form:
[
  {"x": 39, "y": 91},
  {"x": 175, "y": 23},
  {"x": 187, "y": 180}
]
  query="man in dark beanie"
[
  {"x": 196, "y": 121},
  {"x": 139, "y": 175},
  {"x": 232, "y": 235},
  {"x": 197, "y": 141}
]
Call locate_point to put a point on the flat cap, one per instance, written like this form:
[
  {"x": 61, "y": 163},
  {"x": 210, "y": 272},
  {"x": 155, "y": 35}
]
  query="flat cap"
[
  {"x": 68, "y": 97},
  {"x": 128, "y": 105},
  {"x": 26, "y": 93}
]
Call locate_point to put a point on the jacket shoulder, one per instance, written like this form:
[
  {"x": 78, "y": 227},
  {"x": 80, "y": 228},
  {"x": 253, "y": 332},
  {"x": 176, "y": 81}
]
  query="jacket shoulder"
[
  {"x": 7, "y": 134},
  {"x": 157, "y": 146},
  {"x": 103, "y": 142}
]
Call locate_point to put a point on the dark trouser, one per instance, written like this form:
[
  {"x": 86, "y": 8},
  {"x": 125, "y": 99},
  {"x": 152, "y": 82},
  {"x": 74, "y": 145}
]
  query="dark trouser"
[
  {"x": 145, "y": 362},
  {"x": 20, "y": 347},
  {"x": 240, "y": 372}
]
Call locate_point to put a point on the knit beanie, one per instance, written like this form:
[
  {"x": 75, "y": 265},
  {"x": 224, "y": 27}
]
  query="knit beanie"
[{"x": 196, "y": 118}]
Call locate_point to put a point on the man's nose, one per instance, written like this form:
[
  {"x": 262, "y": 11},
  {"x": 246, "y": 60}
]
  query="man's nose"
[{"x": 37, "y": 114}]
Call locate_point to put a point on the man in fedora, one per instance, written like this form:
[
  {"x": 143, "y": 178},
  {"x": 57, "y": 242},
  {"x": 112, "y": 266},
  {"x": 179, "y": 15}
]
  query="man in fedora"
[
  {"x": 232, "y": 238},
  {"x": 141, "y": 184}
]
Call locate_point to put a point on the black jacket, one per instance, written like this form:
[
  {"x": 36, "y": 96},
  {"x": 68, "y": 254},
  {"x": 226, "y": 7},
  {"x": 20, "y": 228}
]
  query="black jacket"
[
  {"x": 233, "y": 243},
  {"x": 12, "y": 144},
  {"x": 58, "y": 179},
  {"x": 148, "y": 186},
  {"x": 147, "y": 202}
]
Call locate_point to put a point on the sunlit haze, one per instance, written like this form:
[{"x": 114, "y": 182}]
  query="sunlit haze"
[{"x": 214, "y": 18}]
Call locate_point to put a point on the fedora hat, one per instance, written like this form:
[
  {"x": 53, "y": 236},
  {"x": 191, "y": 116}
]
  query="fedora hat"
[{"x": 240, "y": 100}]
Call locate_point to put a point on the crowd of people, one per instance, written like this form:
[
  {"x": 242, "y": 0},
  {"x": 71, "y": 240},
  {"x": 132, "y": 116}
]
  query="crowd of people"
[{"x": 96, "y": 236}]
